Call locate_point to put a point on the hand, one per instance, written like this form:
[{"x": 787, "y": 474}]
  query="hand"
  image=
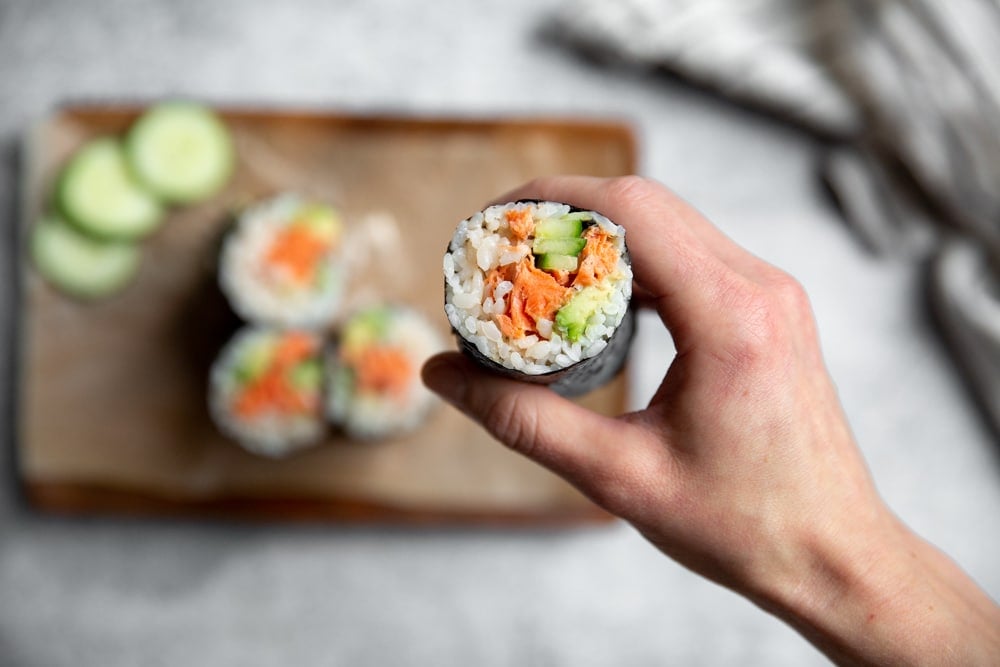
[{"x": 742, "y": 467}]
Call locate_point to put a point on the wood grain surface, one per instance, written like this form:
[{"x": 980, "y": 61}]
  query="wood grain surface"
[{"x": 112, "y": 414}]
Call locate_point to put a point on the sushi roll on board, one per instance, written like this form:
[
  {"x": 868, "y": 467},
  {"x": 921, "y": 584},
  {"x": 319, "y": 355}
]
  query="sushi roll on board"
[
  {"x": 373, "y": 373},
  {"x": 265, "y": 390},
  {"x": 539, "y": 291},
  {"x": 281, "y": 266}
]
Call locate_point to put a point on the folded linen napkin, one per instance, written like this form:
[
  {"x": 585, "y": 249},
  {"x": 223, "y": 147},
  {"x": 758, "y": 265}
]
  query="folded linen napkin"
[{"x": 911, "y": 88}]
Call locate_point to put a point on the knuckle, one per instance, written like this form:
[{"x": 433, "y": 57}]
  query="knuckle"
[
  {"x": 789, "y": 292},
  {"x": 756, "y": 328},
  {"x": 761, "y": 328},
  {"x": 771, "y": 320},
  {"x": 630, "y": 189}
]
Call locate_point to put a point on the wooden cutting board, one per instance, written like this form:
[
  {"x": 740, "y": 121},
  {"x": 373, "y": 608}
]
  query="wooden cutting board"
[{"x": 112, "y": 414}]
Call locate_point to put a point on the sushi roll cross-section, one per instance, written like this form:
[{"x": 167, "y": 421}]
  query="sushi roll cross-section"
[
  {"x": 281, "y": 264},
  {"x": 266, "y": 390},
  {"x": 374, "y": 384},
  {"x": 540, "y": 291}
]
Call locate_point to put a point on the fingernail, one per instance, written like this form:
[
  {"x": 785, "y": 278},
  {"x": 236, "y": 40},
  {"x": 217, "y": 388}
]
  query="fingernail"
[{"x": 446, "y": 378}]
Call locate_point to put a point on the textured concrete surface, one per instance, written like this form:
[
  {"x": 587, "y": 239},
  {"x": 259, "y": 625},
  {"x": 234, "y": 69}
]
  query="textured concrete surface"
[{"x": 111, "y": 592}]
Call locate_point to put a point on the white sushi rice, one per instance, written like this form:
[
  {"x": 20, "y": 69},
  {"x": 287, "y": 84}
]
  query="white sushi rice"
[
  {"x": 270, "y": 434},
  {"x": 370, "y": 415},
  {"x": 258, "y": 292},
  {"x": 482, "y": 243}
]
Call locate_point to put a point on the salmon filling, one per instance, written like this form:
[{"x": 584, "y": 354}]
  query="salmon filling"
[
  {"x": 521, "y": 223},
  {"x": 538, "y": 294},
  {"x": 598, "y": 258},
  {"x": 383, "y": 369},
  {"x": 273, "y": 391},
  {"x": 298, "y": 250}
]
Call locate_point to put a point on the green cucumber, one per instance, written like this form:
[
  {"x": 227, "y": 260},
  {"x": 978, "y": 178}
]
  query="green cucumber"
[
  {"x": 563, "y": 227},
  {"x": 571, "y": 319},
  {"x": 180, "y": 151},
  {"x": 555, "y": 262},
  {"x": 97, "y": 193},
  {"x": 306, "y": 375},
  {"x": 320, "y": 218},
  {"x": 255, "y": 360},
  {"x": 80, "y": 265},
  {"x": 366, "y": 328},
  {"x": 558, "y": 246}
]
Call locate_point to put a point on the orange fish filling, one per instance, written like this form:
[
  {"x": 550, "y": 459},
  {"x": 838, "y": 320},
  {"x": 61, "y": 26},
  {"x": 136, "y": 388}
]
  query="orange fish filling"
[
  {"x": 521, "y": 222},
  {"x": 539, "y": 294},
  {"x": 298, "y": 249},
  {"x": 272, "y": 391},
  {"x": 536, "y": 295},
  {"x": 598, "y": 259},
  {"x": 383, "y": 369}
]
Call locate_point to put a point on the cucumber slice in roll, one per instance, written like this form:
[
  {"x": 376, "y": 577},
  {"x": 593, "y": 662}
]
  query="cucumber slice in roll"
[
  {"x": 558, "y": 246},
  {"x": 554, "y": 262},
  {"x": 563, "y": 227}
]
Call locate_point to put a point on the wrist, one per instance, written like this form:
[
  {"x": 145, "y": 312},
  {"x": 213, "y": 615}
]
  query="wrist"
[{"x": 881, "y": 595}]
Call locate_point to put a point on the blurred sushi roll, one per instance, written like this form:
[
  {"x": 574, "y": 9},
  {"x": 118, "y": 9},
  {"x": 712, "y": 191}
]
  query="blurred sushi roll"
[
  {"x": 265, "y": 390},
  {"x": 374, "y": 386},
  {"x": 281, "y": 264},
  {"x": 539, "y": 291}
]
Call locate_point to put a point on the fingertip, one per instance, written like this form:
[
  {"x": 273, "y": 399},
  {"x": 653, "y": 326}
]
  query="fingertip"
[{"x": 446, "y": 375}]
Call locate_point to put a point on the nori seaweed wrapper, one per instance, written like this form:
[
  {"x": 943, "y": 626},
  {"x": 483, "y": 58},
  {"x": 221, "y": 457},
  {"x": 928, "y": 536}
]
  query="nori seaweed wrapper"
[{"x": 585, "y": 375}]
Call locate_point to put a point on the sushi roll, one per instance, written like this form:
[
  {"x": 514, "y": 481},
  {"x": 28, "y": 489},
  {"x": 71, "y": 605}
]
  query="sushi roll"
[
  {"x": 280, "y": 265},
  {"x": 374, "y": 386},
  {"x": 265, "y": 390},
  {"x": 539, "y": 291}
]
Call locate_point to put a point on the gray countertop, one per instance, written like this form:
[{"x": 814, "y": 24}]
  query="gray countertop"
[{"x": 128, "y": 592}]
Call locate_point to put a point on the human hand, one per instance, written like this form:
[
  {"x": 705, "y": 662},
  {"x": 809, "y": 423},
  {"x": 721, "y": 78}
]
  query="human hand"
[{"x": 742, "y": 467}]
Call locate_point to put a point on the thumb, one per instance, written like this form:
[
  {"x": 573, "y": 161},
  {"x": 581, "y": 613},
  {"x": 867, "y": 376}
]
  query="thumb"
[{"x": 595, "y": 453}]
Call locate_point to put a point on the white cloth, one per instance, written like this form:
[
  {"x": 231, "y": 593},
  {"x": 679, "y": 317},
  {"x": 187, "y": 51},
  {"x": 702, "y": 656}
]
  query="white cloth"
[
  {"x": 756, "y": 51},
  {"x": 910, "y": 87}
]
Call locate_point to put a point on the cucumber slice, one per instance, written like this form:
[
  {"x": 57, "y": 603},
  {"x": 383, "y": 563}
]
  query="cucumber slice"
[
  {"x": 567, "y": 226},
  {"x": 366, "y": 328},
  {"x": 321, "y": 219},
  {"x": 558, "y": 246},
  {"x": 255, "y": 360},
  {"x": 180, "y": 151},
  {"x": 554, "y": 262},
  {"x": 97, "y": 193},
  {"x": 307, "y": 375},
  {"x": 79, "y": 265}
]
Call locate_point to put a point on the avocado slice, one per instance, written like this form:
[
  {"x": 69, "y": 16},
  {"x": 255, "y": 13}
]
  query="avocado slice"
[{"x": 571, "y": 319}]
